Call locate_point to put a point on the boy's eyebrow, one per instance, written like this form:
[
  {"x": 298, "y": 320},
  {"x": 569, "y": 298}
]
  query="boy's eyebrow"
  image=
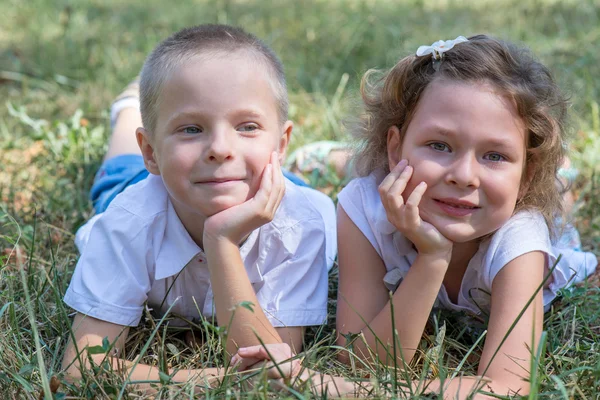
[
  {"x": 199, "y": 114},
  {"x": 180, "y": 115}
]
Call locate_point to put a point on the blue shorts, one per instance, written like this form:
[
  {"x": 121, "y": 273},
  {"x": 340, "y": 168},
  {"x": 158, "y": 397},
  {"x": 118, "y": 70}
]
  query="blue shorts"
[{"x": 118, "y": 172}]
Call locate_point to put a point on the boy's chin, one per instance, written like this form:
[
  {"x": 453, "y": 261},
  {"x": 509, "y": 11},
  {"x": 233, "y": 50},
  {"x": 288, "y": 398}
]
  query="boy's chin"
[{"x": 220, "y": 206}]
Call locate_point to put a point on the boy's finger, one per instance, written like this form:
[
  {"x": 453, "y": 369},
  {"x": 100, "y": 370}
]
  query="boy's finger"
[
  {"x": 278, "y": 185},
  {"x": 257, "y": 351},
  {"x": 266, "y": 185}
]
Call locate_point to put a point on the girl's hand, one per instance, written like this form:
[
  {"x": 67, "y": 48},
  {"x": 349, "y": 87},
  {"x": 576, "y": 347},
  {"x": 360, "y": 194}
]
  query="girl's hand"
[
  {"x": 238, "y": 221},
  {"x": 277, "y": 358},
  {"x": 405, "y": 216}
]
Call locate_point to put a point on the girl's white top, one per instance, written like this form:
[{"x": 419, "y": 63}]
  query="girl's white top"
[{"x": 524, "y": 232}]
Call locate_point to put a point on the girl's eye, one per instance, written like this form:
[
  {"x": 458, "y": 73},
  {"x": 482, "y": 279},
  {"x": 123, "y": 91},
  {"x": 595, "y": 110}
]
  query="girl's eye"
[
  {"x": 495, "y": 157},
  {"x": 192, "y": 130},
  {"x": 437, "y": 146},
  {"x": 248, "y": 128}
]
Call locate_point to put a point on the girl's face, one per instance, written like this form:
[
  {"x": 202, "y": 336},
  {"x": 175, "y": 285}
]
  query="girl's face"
[{"x": 468, "y": 144}]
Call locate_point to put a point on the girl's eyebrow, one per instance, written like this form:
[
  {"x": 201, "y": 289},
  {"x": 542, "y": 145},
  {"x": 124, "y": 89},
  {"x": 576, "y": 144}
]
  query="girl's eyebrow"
[{"x": 498, "y": 143}]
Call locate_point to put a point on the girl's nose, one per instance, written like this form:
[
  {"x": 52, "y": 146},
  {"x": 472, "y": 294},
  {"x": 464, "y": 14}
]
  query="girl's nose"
[{"x": 464, "y": 172}]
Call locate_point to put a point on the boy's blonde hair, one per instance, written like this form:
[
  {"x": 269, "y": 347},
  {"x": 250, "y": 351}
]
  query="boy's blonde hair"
[
  {"x": 205, "y": 41},
  {"x": 391, "y": 99}
]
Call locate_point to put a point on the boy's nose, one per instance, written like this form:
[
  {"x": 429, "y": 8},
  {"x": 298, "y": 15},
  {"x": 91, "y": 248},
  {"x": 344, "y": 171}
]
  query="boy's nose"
[
  {"x": 464, "y": 172},
  {"x": 220, "y": 148}
]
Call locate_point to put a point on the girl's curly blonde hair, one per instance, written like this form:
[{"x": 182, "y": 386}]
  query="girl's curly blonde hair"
[{"x": 391, "y": 98}]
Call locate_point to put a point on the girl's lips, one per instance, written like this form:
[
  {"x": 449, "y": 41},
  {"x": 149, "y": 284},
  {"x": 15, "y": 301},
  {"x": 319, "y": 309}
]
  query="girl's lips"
[{"x": 456, "y": 208}]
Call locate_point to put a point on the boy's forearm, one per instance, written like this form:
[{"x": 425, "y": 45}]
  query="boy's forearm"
[
  {"x": 413, "y": 301},
  {"x": 466, "y": 387},
  {"x": 231, "y": 287},
  {"x": 133, "y": 372}
]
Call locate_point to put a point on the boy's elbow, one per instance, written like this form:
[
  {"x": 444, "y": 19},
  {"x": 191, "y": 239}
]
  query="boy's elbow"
[
  {"x": 516, "y": 387},
  {"x": 72, "y": 368}
]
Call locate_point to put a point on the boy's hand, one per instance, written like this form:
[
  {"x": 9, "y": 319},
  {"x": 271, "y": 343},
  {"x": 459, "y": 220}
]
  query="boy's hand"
[
  {"x": 405, "y": 216},
  {"x": 238, "y": 221},
  {"x": 276, "y": 357}
]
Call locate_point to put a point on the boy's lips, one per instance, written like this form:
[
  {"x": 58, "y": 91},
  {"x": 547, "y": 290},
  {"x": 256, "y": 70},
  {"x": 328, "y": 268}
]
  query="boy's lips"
[{"x": 220, "y": 180}]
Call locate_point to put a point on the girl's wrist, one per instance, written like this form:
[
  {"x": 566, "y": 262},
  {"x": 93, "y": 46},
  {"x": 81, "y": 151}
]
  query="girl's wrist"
[{"x": 438, "y": 259}]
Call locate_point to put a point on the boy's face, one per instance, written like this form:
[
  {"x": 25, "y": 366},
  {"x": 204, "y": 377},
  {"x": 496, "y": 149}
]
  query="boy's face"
[{"x": 217, "y": 125}]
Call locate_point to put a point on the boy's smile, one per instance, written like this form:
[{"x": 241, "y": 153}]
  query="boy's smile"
[
  {"x": 217, "y": 126},
  {"x": 468, "y": 144}
]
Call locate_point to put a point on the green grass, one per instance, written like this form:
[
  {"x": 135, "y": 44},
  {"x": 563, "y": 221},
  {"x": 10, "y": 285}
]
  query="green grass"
[{"x": 62, "y": 62}]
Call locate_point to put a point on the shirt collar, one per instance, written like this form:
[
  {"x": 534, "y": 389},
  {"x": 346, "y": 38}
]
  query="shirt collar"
[{"x": 178, "y": 248}]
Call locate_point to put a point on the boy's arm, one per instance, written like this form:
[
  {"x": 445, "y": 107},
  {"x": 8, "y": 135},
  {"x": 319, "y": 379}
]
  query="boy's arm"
[
  {"x": 90, "y": 332},
  {"x": 231, "y": 287},
  {"x": 297, "y": 285}
]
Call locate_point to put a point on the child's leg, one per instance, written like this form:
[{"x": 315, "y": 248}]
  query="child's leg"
[
  {"x": 123, "y": 163},
  {"x": 125, "y": 118},
  {"x": 122, "y": 139}
]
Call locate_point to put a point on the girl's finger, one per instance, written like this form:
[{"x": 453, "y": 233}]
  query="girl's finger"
[
  {"x": 395, "y": 192},
  {"x": 411, "y": 207},
  {"x": 389, "y": 180}
]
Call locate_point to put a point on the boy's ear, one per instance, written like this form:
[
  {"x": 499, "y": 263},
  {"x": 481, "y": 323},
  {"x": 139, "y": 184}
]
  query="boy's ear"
[
  {"x": 143, "y": 139},
  {"x": 284, "y": 140},
  {"x": 394, "y": 146}
]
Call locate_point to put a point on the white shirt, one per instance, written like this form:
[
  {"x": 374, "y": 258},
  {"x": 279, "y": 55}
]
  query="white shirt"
[
  {"x": 138, "y": 251},
  {"x": 524, "y": 232}
]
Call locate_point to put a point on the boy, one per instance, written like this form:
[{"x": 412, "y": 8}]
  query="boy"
[{"x": 210, "y": 227}]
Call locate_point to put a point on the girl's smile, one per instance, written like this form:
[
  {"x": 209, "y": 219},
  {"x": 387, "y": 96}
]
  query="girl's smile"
[{"x": 456, "y": 207}]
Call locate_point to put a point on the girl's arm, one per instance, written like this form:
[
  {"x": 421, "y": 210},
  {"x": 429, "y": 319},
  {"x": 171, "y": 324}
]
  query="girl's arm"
[
  {"x": 362, "y": 270},
  {"x": 507, "y": 371},
  {"x": 364, "y": 303},
  {"x": 90, "y": 332},
  {"x": 512, "y": 288}
]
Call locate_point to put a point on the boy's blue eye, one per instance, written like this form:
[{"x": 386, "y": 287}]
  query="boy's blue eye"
[
  {"x": 248, "y": 128},
  {"x": 192, "y": 130},
  {"x": 439, "y": 146},
  {"x": 495, "y": 157}
]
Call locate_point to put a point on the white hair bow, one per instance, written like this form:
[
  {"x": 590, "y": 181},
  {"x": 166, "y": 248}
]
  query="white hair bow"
[{"x": 437, "y": 49}]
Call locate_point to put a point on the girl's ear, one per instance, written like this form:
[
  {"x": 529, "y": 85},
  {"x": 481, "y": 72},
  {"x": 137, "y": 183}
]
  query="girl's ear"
[
  {"x": 284, "y": 140},
  {"x": 143, "y": 139},
  {"x": 394, "y": 146},
  {"x": 526, "y": 179}
]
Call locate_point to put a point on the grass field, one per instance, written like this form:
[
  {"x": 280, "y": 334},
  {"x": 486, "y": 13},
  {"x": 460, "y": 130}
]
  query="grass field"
[{"x": 62, "y": 62}]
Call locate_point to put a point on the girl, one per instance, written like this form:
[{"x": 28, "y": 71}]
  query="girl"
[{"x": 461, "y": 144}]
